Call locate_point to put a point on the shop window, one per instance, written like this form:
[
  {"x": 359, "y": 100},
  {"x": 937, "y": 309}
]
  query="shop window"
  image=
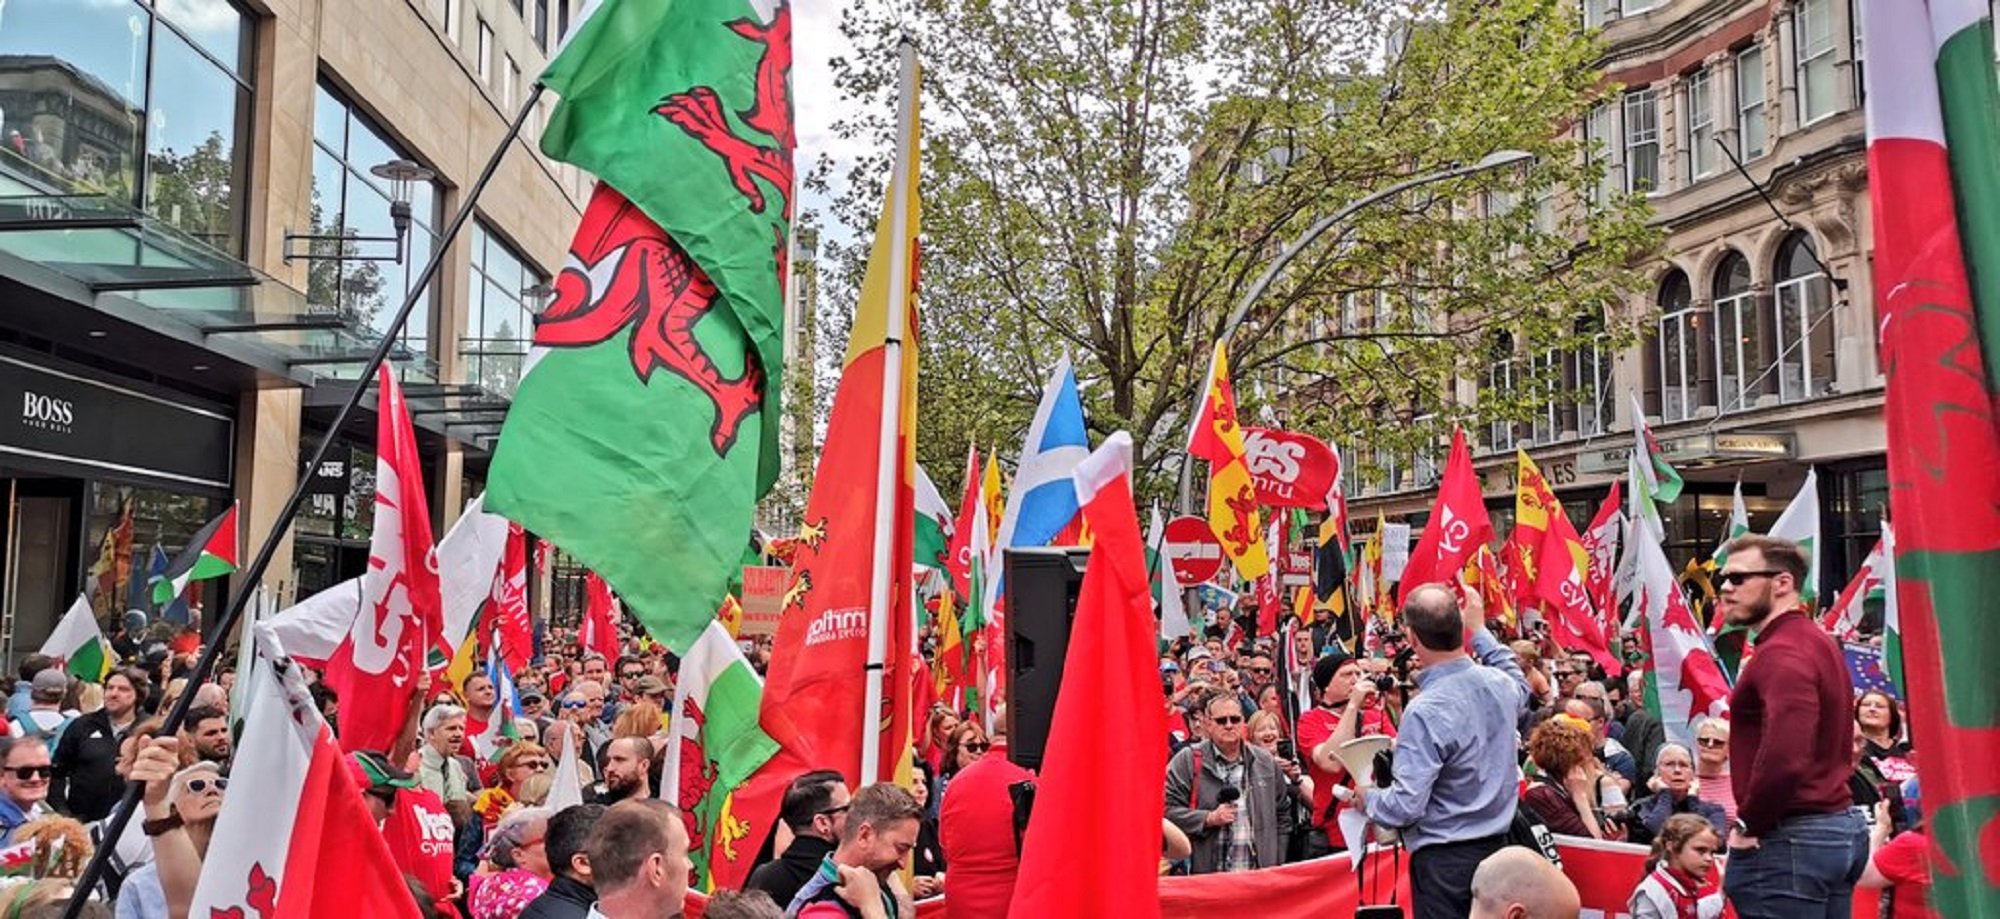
[
  {"x": 131, "y": 533},
  {"x": 1803, "y": 318},
  {"x": 349, "y": 201},
  {"x": 144, "y": 102}
]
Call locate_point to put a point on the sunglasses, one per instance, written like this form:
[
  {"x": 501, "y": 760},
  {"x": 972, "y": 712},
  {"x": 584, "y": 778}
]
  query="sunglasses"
[
  {"x": 978, "y": 746},
  {"x": 1226, "y": 719},
  {"x": 31, "y": 773},
  {"x": 1260, "y": 670},
  {"x": 538, "y": 765},
  {"x": 576, "y": 705},
  {"x": 200, "y": 786},
  {"x": 834, "y": 811},
  {"x": 1739, "y": 578},
  {"x": 1712, "y": 743},
  {"x": 632, "y": 675}
]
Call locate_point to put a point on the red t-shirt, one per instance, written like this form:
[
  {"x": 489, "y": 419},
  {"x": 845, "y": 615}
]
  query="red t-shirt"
[
  {"x": 1905, "y": 861},
  {"x": 1314, "y": 728},
  {"x": 419, "y": 834},
  {"x": 976, "y": 828}
]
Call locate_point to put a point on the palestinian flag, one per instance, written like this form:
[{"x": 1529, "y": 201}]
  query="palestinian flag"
[
  {"x": 714, "y": 744},
  {"x": 294, "y": 837},
  {"x": 645, "y": 427},
  {"x": 1925, "y": 84},
  {"x": 79, "y": 645},
  {"x": 210, "y": 554}
]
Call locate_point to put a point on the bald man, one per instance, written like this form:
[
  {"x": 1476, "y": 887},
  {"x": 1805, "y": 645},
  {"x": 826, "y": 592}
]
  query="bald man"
[{"x": 1518, "y": 883}]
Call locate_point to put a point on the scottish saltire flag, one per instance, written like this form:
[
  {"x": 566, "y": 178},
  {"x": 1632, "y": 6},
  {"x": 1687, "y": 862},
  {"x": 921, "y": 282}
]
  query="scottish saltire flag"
[
  {"x": 1042, "y": 500},
  {"x": 1865, "y": 670}
]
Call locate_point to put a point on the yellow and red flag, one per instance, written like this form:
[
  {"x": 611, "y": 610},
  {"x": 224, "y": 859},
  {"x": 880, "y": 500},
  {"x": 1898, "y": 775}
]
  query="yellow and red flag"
[
  {"x": 1232, "y": 493},
  {"x": 1560, "y": 565},
  {"x": 859, "y": 556}
]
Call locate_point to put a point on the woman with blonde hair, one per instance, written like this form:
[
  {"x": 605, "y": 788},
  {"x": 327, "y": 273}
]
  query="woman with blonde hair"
[{"x": 640, "y": 719}]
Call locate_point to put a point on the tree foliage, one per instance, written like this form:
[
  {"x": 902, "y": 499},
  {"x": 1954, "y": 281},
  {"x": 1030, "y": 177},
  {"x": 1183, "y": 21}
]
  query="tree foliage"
[{"x": 1108, "y": 180}]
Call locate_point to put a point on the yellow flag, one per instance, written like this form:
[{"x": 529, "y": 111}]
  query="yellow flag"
[{"x": 1232, "y": 495}]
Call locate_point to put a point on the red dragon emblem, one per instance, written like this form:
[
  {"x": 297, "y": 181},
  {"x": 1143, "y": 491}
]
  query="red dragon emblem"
[
  {"x": 696, "y": 778},
  {"x": 260, "y": 894},
  {"x": 625, "y": 271}
]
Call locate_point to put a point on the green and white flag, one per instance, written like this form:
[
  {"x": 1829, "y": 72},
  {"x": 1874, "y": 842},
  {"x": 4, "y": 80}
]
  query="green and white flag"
[
  {"x": 1892, "y": 620},
  {"x": 933, "y": 525},
  {"x": 1739, "y": 525},
  {"x": 1663, "y": 483},
  {"x": 714, "y": 741},
  {"x": 77, "y": 642},
  {"x": 1800, "y": 524}
]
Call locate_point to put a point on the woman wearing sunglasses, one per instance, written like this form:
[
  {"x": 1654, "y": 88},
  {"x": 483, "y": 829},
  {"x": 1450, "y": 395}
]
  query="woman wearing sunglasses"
[
  {"x": 1711, "y": 765},
  {"x": 180, "y": 809},
  {"x": 515, "y": 869}
]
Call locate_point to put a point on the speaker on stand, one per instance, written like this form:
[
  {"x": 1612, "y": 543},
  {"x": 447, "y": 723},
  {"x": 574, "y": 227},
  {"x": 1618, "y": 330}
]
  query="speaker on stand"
[{"x": 1040, "y": 597}]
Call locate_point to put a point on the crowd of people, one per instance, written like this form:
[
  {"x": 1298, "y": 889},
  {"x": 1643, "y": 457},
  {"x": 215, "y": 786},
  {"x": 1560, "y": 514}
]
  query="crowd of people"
[{"x": 1497, "y": 734}]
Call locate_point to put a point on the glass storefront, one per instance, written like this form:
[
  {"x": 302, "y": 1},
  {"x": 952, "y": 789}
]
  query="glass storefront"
[
  {"x": 147, "y": 101},
  {"x": 131, "y": 533}
]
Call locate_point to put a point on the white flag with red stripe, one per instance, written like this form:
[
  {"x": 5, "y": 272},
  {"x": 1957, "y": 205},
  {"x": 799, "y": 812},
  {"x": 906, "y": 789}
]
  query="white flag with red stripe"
[
  {"x": 294, "y": 838},
  {"x": 1844, "y": 616}
]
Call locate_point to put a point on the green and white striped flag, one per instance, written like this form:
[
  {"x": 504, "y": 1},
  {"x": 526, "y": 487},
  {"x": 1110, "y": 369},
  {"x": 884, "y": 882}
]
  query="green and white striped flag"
[
  {"x": 1800, "y": 524},
  {"x": 1739, "y": 525},
  {"x": 77, "y": 642}
]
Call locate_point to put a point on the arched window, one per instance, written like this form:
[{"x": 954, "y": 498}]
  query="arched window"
[
  {"x": 1802, "y": 308},
  {"x": 1682, "y": 338},
  {"x": 1739, "y": 347}
]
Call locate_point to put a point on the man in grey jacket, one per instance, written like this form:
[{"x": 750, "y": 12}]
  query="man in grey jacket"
[{"x": 1228, "y": 796}]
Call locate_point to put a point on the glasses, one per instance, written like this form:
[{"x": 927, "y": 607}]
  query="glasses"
[
  {"x": 977, "y": 746},
  {"x": 201, "y": 786},
  {"x": 1226, "y": 720},
  {"x": 834, "y": 811},
  {"x": 538, "y": 765},
  {"x": 1739, "y": 578},
  {"x": 632, "y": 675},
  {"x": 576, "y": 703},
  {"x": 1713, "y": 743},
  {"x": 1265, "y": 671},
  {"x": 31, "y": 773}
]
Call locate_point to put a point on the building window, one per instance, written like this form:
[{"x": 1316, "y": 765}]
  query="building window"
[
  {"x": 1547, "y": 373},
  {"x": 510, "y": 76},
  {"x": 1595, "y": 12},
  {"x": 1804, "y": 320},
  {"x": 1500, "y": 382},
  {"x": 143, "y": 103},
  {"x": 1857, "y": 51},
  {"x": 539, "y": 25},
  {"x": 1588, "y": 376},
  {"x": 1601, "y": 145},
  {"x": 347, "y": 200},
  {"x": 484, "y": 58},
  {"x": 562, "y": 19},
  {"x": 1701, "y": 124},
  {"x": 1750, "y": 124},
  {"x": 502, "y": 298},
  {"x": 1739, "y": 348},
  {"x": 1642, "y": 141},
  {"x": 1679, "y": 347},
  {"x": 1818, "y": 91},
  {"x": 454, "y": 16},
  {"x": 1635, "y": 7}
]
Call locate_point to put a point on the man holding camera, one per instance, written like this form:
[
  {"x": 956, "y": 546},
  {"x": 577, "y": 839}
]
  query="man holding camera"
[
  {"x": 1334, "y": 677},
  {"x": 1229, "y": 797},
  {"x": 1455, "y": 767}
]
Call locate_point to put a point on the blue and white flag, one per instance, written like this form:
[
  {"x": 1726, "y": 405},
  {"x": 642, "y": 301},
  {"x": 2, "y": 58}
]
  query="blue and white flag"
[{"x": 1042, "y": 500}]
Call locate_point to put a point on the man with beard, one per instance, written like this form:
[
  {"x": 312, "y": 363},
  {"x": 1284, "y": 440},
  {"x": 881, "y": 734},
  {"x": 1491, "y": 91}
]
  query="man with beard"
[
  {"x": 858, "y": 880},
  {"x": 815, "y": 808},
  {"x": 628, "y": 765},
  {"x": 207, "y": 735},
  {"x": 87, "y": 782},
  {"x": 1799, "y": 845}
]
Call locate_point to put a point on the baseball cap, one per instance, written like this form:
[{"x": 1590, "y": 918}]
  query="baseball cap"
[
  {"x": 533, "y": 695},
  {"x": 50, "y": 684},
  {"x": 372, "y": 770},
  {"x": 649, "y": 686}
]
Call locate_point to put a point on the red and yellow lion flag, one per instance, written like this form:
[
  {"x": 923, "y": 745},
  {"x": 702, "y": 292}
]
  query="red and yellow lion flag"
[{"x": 1232, "y": 495}]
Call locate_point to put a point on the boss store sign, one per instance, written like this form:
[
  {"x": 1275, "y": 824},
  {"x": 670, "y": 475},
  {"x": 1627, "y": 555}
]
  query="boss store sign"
[{"x": 59, "y": 421}]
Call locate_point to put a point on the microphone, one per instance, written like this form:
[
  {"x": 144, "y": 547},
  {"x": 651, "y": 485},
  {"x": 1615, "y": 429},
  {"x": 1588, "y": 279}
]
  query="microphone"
[{"x": 1228, "y": 795}]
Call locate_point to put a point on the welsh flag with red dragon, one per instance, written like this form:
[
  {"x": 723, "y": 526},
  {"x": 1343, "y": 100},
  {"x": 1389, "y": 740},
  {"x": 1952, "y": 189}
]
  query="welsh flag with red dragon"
[
  {"x": 1931, "y": 138},
  {"x": 645, "y": 427}
]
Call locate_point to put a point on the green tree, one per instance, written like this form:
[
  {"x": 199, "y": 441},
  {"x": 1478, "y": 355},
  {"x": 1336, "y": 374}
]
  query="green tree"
[
  {"x": 196, "y": 192},
  {"x": 1107, "y": 180}
]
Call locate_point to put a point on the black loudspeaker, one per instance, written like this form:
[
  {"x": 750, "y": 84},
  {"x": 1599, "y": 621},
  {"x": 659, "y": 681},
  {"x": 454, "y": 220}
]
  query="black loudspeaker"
[{"x": 1042, "y": 585}]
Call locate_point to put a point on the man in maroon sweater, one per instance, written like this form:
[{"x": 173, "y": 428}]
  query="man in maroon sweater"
[{"x": 1799, "y": 844}]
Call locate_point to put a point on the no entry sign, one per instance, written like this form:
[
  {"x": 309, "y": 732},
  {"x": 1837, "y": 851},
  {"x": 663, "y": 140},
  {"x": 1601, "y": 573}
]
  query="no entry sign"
[{"x": 1193, "y": 549}]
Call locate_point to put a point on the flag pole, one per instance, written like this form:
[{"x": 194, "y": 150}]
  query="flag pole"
[
  {"x": 889, "y": 453},
  {"x": 121, "y": 814}
]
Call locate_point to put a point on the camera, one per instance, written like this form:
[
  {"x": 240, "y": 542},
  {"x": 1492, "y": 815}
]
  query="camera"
[
  {"x": 1383, "y": 681},
  {"x": 1286, "y": 750}
]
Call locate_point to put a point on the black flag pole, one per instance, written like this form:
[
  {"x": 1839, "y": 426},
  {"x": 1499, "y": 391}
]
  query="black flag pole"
[{"x": 121, "y": 815}]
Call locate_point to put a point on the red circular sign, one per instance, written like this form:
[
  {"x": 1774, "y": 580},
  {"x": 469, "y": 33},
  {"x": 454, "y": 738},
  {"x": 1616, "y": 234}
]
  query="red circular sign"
[{"x": 1193, "y": 549}]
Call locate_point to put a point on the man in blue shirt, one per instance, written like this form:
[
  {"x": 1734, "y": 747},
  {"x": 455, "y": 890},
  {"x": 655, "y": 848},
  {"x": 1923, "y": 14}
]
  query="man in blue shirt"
[{"x": 1456, "y": 766}]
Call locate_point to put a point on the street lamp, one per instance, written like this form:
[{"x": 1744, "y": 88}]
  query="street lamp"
[
  {"x": 1494, "y": 160},
  {"x": 402, "y": 176}
]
